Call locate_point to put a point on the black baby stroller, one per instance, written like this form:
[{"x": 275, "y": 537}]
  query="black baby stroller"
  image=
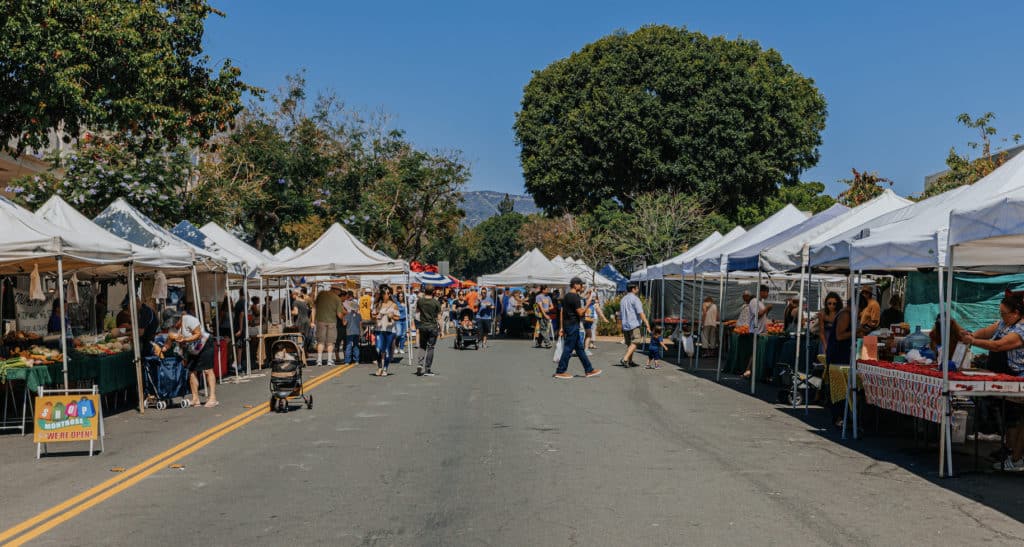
[
  {"x": 466, "y": 336},
  {"x": 164, "y": 379},
  {"x": 805, "y": 384},
  {"x": 286, "y": 375}
]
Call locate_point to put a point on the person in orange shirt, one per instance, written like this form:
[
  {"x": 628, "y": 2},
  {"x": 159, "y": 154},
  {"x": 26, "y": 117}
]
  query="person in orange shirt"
[{"x": 473, "y": 299}]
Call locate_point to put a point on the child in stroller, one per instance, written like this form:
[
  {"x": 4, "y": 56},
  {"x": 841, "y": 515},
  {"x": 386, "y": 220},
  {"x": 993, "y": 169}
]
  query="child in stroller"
[
  {"x": 466, "y": 333},
  {"x": 286, "y": 375}
]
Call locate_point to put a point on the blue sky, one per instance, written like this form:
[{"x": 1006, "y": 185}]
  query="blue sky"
[{"x": 895, "y": 74}]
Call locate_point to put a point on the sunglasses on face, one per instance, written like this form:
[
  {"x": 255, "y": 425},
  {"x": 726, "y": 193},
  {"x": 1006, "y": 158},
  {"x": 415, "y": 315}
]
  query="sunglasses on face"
[{"x": 830, "y": 303}]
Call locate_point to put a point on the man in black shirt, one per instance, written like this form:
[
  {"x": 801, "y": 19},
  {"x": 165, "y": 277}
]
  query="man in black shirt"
[
  {"x": 572, "y": 311},
  {"x": 427, "y": 321}
]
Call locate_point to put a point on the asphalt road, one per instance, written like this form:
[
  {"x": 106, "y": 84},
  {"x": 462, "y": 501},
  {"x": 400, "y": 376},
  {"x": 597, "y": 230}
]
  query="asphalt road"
[{"x": 496, "y": 452}]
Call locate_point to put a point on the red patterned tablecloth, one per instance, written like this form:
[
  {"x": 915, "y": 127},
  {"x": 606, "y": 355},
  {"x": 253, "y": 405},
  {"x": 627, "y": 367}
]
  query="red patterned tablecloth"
[{"x": 916, "y": 390}]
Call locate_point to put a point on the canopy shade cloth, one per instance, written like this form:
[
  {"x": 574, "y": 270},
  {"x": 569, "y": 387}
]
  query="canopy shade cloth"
[
  {"x": 578, "y": 268},
  {"x": 718, "y": 258},
  {"x": 991, "y": 235},
  {"x": 27, "y": 241},
  {"x": 658, "y": 271},
  {"x": 620, "y": 280},
  {"x": 285, "y": 254},
  {"x": 787, "y": 255},
  {"x": 336, "y": 252},
  {"x": 125, "y": 221},
  {"x": 219, "y": 238},
  {"x": 59, "y": 213},
  {"x": 531, "y": 268},
  {"x": 750, "y": 258},
  {"x": 916, "y": 236},
  {"x": 683, "y": 265}
]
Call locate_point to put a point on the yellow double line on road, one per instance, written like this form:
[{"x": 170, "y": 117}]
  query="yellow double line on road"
[{"x": 76, "y": 505}]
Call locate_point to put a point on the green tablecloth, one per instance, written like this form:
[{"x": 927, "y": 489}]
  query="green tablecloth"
[
  {"x": 741, "y": 346},
  {"x": 110, "y": 372},
  {"x": 39, "y": 375}
]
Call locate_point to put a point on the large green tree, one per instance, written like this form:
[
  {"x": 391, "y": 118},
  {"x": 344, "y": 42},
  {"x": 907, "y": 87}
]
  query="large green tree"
[
  {"x": 493, "y": 244},
  {"x": 666, "y": 109},
  {"x": 806, "y": 196},
  {"x": 111, "y": 65}
]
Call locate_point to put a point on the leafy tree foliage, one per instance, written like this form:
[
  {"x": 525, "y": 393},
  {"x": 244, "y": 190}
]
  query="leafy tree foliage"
[
  {"x": 127, "y": 67},
  {"x": 806, "y": 196},
  {"x": 493, "y": 245},
  {"x": 864, "y": 186},
  {"x": 666, "y": 109},
  {"x": 101, "y": 170},
  {"x": 964, "y": 170}
]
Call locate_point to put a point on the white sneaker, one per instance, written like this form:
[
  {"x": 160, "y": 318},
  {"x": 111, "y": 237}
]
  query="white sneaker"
[
  {"x": 318, "y": 363},
  {"x": 1009, "y": 464},
  {"x": 589, "y": 353},
  {"x": 330, "y": 363}
]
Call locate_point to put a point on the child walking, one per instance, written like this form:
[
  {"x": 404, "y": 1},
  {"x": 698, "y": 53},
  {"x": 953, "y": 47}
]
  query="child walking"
[{"x": 655, "y": 349}]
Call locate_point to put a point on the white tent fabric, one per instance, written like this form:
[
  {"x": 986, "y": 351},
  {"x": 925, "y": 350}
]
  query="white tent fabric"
[
  {"x": 59, "y": 213},
  {"x": 718, "y": 258},
  {"x": 285, "y": 254},
  {"x": 531, "y": 268},
  {"x": 916, "y": 236},
  {"x": 27, "y": 240},
  {"x": 228, "y": 242},
  {"x": 336, "y": 252},
  {"x": 125, "y": 221},
  {"x": 683, "y": 264},
  {"x": 267, "y": 253},
  {"x": 578, "y": 268},
  {"x": 990, "y": 234},
  {"x": 657, "y": 271},
  {"x": 787, "y": 254}
]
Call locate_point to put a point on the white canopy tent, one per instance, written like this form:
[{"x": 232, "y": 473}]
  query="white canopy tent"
[
  {"x": 788, "y": 255},
  {"x": 285, "y": 254},
  {"x": 28, "y": 242},
  {"x": 59, "y": 213},
  {"x": 919, "y": 240},
  {"x": 336, "y": 252},
  {"x": 533, "y": 268},
  {"x": 579, "y": 268},
  {"x": 717, "y": 259},
  {"x": 665, "y": 267},
  {"x": 987, "y": 237}
]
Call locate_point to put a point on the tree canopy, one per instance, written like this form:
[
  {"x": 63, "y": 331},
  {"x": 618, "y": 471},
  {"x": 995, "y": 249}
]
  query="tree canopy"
[
  {"x": 111, "y": 65},
  {"x": 666, "y": 109}
]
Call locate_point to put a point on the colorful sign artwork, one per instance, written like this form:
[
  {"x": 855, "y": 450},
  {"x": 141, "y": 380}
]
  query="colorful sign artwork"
[{"x": 67, "y": 418}]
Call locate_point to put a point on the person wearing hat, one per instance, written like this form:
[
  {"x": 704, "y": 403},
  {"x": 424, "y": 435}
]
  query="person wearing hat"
[
  {"x": 570, "y": 320},
  {"x": 327, "y": 311},
  {"x": 870, "y": 311},
  {"x": 190, "y": 334}
]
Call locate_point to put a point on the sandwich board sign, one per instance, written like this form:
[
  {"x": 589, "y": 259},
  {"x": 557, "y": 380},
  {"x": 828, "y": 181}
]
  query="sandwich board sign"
[{"x": 67, "y": 416}]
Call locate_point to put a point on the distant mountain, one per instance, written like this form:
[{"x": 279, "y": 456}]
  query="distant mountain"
[{"x": 480, "y": 206}]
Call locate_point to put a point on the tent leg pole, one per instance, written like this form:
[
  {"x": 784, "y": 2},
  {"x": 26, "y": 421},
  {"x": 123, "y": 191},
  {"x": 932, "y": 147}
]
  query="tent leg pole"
[
  {"x": 63, "y": 322},
  {"x": 248, "y": 350},
  {"x": 679, "y": 350},
  {"x": 799, "y": 334},
  {"x": 850, "y": 407},
  {"x": 722, "y": 282},
  {"x": 699, "y": 324},
  {"x": 807, "y": 363},
  {"x": 755, "y": 321},
  {"x": 133, "y": 308}
]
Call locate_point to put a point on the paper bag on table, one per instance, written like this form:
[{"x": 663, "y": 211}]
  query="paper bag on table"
[{"x": 869, "y": 348}]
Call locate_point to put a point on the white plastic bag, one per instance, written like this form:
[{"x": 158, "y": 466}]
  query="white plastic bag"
[
  {"x": 688, "y": 346},
  {"x": 559, "y": 346}
]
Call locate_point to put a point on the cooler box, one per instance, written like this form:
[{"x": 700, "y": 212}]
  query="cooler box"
[{"x": 220, "y": 357}]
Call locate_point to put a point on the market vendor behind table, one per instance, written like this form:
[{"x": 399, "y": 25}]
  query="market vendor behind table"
[{"x": 1003, "y": 339}]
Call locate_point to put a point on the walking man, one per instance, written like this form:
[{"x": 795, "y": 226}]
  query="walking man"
[
  {"x": 544, "y": 307},
  {"x": 570, "y": 319},
  {"x": 632, "y": 312},
  {"x": 327, "y": 310},
  {"x": 427, "y": 321}
]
